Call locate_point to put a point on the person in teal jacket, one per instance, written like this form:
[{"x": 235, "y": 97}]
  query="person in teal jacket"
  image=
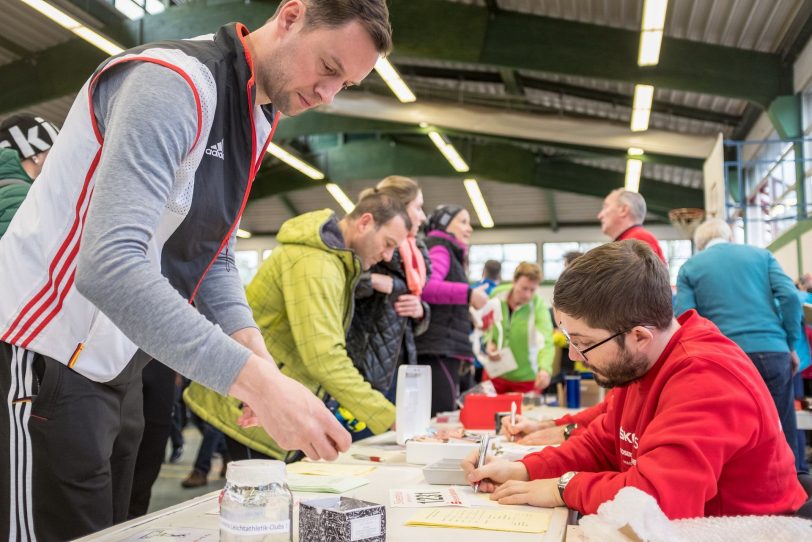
[
  {"x": 24, "y": 144},
  {"x": 526, "y": 329}
]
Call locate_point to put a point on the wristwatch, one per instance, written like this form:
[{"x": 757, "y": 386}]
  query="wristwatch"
[
  {"x": 569, "y": 429},
  {"x": 563, "y": 481}
]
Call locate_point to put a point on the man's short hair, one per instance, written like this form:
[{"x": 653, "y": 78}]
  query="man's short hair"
[
  {"x": 615, "y": 287},
  {"x": 570, "y": 257},
  {"x": 526, "y": 269},
  {"x": 372, "y": 14},
  {"x": 635, "y": 202},
  {"x": 382, "y": 207},
  {"x": 492, "y": 270},
  {"x": 713, "y": 228}
]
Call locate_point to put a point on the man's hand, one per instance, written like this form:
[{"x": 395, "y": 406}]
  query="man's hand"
[
  {"x": 382, "y": 283},
  {"x": 543, "y": 379},
  {"x": 479, "y": 297},
  {"x": 294, "y": 417},
  {"x": 493, "y": 352},
  {"x": 536, "y": 493},
  {"x": 546, "y": 436},
  {"x": 523, "y": 426},
  {"x": 795, "y": 360},
  {"x": 493, "y": 473},
  {"x": 409, "y": 306}
]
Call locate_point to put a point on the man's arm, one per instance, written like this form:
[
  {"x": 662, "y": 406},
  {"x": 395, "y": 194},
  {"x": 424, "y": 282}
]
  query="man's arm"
[
  {"x": 789, "y": 304},
  {"x": 685, "y": 298},
  {"x": 544, "y": 325}
]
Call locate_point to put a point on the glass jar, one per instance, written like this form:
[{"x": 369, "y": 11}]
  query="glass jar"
[{"x": 256, "y": 504}]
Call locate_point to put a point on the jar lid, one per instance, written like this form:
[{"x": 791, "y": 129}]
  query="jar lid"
[{"x": 255, "y": 472}]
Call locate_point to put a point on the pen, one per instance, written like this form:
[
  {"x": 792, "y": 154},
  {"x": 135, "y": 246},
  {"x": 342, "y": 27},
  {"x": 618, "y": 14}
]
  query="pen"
[
  {"x": 483, "y": 451},
  {"x": 373, "y": 458},
  {"x": 512, "y": 416}
]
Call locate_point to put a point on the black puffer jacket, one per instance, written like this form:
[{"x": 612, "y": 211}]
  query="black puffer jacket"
[{"x": 378, "y": 339}]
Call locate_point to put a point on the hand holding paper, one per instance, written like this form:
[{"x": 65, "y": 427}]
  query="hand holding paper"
[{"x": 536, "y": 493}]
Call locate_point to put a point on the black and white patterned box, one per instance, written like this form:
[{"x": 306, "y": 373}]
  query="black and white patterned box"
[{"x": 341, "y": 519}]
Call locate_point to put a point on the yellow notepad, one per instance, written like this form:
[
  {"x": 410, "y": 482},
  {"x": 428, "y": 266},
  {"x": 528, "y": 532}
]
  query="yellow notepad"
[
  {"x": 328, "y": 469},
  {"x": 501, "y": 519}
]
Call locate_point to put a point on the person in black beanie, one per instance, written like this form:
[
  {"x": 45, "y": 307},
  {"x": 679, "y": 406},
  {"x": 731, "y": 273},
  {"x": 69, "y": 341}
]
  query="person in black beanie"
[
  {"x": 445, "y": 346},
  {"x": 25, "y": 140}
]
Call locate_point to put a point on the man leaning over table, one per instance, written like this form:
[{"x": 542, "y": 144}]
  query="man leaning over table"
[{"x": 691, "y": 423}]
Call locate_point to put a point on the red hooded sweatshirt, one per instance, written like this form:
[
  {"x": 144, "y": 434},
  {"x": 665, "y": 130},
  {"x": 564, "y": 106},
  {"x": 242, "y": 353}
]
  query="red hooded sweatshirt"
[{"x": 699, "y": 432}]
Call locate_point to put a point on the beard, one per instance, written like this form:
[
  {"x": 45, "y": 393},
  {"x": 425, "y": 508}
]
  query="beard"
[
  {"x": 625, "y": 369},
  {"x": 274, "y": 75}
]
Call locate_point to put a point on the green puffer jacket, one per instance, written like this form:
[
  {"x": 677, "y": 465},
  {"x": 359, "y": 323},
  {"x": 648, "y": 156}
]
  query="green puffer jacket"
[
  {"x": 14, "y": 186},
  {"x": 302, "y": 298},
  {"x": 532, "y": 347}
]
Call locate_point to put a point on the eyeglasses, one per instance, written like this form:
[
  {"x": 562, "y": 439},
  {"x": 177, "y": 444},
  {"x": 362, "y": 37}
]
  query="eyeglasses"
[{"x": 583, "y": 352}]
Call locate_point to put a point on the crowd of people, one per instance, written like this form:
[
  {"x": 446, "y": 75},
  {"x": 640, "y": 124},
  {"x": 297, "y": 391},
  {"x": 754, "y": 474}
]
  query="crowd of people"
[{"x": 118, "y": 279}]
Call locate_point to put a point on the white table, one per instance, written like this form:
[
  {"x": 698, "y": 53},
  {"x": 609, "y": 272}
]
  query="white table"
[{"x": 199, "y": 514}]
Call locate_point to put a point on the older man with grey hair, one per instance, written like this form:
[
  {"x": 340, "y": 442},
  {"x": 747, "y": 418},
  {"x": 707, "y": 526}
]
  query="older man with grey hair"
[
  {"x": 622, "y": 217},
  {"x": 743, "y": 290}
]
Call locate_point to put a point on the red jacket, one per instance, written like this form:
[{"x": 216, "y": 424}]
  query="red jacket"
[
  {"x": 583, "y": 418},
  {"x": 642, "y": 234},
  {"x": 699, "y": 432}
]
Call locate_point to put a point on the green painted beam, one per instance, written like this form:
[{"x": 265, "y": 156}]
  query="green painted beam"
[
  {"x": 313, "y": 123},
  {"x": 437, "y": 29},
  {"x": 549, "y": 196},
  {"x": 289, "y": 205},
  {"x": 500, "y": 162},
  {"x": 512, "y": 81}
]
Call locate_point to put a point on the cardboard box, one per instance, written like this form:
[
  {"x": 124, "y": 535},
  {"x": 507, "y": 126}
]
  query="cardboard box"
[{"x": 341, "y": 519}]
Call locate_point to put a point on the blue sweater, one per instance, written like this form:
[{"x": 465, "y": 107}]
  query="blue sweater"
[{"x": 743, "y": 290}]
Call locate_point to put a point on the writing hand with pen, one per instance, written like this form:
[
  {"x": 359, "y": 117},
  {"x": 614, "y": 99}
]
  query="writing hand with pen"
[
  {"x": 509, "y": 482},
  {"x": 532, "y": 432}
]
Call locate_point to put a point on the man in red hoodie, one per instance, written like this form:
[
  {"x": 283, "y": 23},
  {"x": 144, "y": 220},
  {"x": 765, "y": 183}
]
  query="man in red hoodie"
[
  {"x": 691, "y": 421},
  {"x": 622, "y": 216}
]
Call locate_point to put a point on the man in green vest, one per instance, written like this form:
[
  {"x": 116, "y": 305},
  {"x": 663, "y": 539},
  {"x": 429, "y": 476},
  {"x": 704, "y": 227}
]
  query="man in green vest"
[{"x": 302, "y": 299}]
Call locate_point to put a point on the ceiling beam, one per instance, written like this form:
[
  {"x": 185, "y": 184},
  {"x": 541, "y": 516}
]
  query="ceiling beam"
[
  {"x": 497, "y": 162},
  {"x": 286, "y": 201},
  {"x": 442, "y": 30},
  {"x": 549, "y": 196}
]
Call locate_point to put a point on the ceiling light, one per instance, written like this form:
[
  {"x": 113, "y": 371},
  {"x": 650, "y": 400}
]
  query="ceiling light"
[
  {"x": 633, "y": 170},
  {"x": 480, "y": 207},
  {"x": 66, "y": 21},
  {"x": 641, "y": 108},
  {"x": 651, "y": 32},
  {"x": 342, "y": 199},
  {"x": 635, "y": 151},
  {"x": 243, "y": 234},
  {"x": 294, "y": 162},
  {"x": 449, "y": 152},
  {"x": 393, "y": 79}
]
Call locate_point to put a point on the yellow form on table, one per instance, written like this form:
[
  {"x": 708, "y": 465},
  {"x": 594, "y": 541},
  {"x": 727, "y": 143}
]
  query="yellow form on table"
[
  {"x": 317, "y": 468},
  {"x": 491, "y": 519}
]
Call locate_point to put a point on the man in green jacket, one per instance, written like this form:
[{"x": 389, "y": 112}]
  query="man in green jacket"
[
  {"x": 24, "y": 144},
  {"x": 525, "y": 332},
  {"x": 302, "y": 298}
]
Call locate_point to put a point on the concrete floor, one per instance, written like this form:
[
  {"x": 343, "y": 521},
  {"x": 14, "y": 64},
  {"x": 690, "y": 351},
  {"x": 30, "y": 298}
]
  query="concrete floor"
[{"x": 167, "y": 490}]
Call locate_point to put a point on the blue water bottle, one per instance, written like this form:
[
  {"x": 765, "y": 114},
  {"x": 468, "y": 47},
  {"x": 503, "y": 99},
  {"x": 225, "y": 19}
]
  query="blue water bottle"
[{"x": 573, "y": 381}]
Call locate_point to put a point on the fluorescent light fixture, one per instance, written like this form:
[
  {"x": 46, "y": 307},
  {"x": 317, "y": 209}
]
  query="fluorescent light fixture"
[
  {"x": 641, "y": 108},
  {"x": 339, "y": 195},
  {"x": 66, "y": 21},
  {"x": 392, "y": 78},
  {"x": 155, "y": 6},
  {"x": 449, "y": 152},
  {"x": 635, "y": 151},
  {"x": 243, "y": 234},
  {"x": 294, "y": 162},
  {"x": 481, "y": 208},
  {"x": 651, "y": 32},
  {"x": 136, "y": 9},
  {"x": 633, "y": 170}
]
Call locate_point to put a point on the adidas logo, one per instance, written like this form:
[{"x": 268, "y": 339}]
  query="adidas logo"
[{"x": 216, "y": 150}]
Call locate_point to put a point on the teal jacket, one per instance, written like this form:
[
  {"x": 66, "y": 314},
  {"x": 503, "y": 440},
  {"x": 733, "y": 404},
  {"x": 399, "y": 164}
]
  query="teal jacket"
[
  {"x": 743, "y": 290},
  {"x": 532, "y": 350},
  {"x": 14, "y": 185}
]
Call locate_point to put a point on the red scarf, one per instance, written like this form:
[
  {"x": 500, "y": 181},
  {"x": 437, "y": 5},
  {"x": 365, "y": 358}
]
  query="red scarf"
[{"x": 414, "y": 266}]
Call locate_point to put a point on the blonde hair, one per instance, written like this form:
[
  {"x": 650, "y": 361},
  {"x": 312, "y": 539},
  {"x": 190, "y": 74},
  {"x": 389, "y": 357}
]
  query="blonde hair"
[
  {"x": 402, "y": 188},
  {"x": 529, "y": 270}
]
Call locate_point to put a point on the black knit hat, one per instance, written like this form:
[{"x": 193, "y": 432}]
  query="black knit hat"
[
  {"x": 27, "y": 134},
  {"x": 441, "y": 217}
]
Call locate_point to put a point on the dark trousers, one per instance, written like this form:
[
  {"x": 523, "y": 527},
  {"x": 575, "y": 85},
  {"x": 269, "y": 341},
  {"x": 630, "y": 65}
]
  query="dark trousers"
[
  {"x": 445, "y": 381},
  {"x": 776, "y": 370},
  {"x": 69, "y": 446},
  {"x": 213, "y": 441},
  {"x": 159, "y": 395}
]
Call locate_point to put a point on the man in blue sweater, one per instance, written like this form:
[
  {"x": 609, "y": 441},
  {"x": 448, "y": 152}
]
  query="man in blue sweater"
[{"x": 743, "y": 290}]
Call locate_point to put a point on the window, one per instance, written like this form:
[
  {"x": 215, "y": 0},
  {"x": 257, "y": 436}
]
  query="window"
[
  {"x": 509, "y": 254},
  {"x": 247, "y": 262},
  {"x": 676, "y": 253},
  {"x": 553, "y": 256}
]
